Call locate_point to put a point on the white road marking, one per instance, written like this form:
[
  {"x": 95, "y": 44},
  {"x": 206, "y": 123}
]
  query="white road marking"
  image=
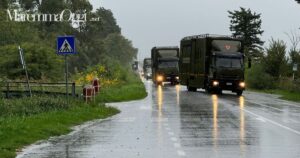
[
  {"x": 260, "y": 119},
  {"x": 181, "y": 153},
  {"x": 159, "y": 120},
  {"x": 271, "y": 108},
  {"x": 168, "y": 129},
  {"x": 128, "y": 119},
  {"x": 287, "y": 103},
  {"x": 174, "y": 139},
  {"x": 267, "y": 120},
  {"x": 273, "y": 122},
  {"x": 171, "y": 133},
  {"x": 263, "y": 105},
  {"x": 145, "y": 108},
  {"x": 177, "y": 145}
]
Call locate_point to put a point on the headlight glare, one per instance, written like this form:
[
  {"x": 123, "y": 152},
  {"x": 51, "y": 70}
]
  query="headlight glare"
[
  {"x": 159, "y": 78},
  {"x": 215, "y": 83},
  {"x": 242, "y": 84}
]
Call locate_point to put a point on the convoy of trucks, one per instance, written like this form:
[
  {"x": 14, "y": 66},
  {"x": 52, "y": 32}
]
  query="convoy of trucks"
[
  {"x": 212, "y": 62},
  {"x": 165, "y": 65}
]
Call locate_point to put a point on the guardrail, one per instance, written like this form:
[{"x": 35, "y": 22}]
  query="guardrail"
[{"x": 19, "y": 88}]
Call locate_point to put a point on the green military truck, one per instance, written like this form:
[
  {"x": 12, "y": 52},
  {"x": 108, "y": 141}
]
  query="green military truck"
[
  {"x": 147, "y": 68},
  {"x": 212, "y": 62},
  {"x": 165, "y": 65}
]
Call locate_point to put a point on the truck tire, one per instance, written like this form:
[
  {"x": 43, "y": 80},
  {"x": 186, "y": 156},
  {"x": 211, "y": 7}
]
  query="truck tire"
[
  {"x": 239, "y": 92},
  {"x": 159, "y": 83},
  {"x": 208, "y": 89},
  {"x": 191, "y": 89}
]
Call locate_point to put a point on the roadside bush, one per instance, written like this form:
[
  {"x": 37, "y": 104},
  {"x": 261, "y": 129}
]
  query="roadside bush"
[
  {"x": 257, "y": 78},
  {"x": 288, "y": 84}
]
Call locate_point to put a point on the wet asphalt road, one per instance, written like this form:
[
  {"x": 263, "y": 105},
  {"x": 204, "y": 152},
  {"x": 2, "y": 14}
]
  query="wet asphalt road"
[{"x": 172, "y": 122}]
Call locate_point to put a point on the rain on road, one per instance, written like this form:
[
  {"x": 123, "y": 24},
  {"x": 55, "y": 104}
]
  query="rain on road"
[{"x": 172, "y": 122}]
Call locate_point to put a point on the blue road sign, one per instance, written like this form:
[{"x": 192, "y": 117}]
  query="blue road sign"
[{"x": 66, "y": 45}]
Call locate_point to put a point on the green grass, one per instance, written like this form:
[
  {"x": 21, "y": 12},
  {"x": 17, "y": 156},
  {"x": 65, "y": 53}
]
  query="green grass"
[
  {"x": 25, "y": 121},
  {"x": 284, "y": 94},
  {"x": 132, "y": 91},
  {"x": 18, "y": 131}
]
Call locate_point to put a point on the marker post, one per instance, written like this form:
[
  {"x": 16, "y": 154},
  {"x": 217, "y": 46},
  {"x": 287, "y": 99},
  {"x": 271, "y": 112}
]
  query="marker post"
[{"x": 25, "y": 69}]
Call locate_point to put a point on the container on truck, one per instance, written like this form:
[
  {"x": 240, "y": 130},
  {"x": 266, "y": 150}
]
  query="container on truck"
[{"x": 212, "y": 62}]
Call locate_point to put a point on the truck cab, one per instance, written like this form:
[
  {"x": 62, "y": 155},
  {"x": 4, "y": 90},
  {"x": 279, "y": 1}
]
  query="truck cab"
[{"x": 165, "y": 66}]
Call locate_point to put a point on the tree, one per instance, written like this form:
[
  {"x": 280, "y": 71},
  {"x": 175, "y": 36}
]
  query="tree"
[
  {"x": 120, "y": 48},
  {"x": 275, "y": 62},
  {"x": 41, "y": 62},
  {"x": 247, "y": 24},
  {"x": 3, "y": 4},
  {"x": 294, "y": 51}
]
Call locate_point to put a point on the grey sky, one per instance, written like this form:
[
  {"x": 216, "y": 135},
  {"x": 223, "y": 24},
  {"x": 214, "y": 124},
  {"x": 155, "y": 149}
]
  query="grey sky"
[{"x": 149, "y": 23}]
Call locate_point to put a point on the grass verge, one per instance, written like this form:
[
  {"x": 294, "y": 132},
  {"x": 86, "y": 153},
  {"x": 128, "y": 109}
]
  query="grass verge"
[
  {"x": 284, "y": 94},
  {"x": 25, "y": 121},
  {"x": 132, "y": 91}
]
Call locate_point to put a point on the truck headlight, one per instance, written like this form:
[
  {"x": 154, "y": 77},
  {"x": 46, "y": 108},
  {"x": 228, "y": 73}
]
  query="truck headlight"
[
  {"x": 215, "y": 83},
  {"x": 242, "y": 84},
  {"x": 159, "y": 78}
]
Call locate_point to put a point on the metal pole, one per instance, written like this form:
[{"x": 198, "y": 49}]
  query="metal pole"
[
  {"x": 73, "y": 90},
  {"x": 28, "y": 85},
  {"x": 66, "y": 75},
  {"x": 26, "y": 72},
  {"x": 293, "y": 76}
]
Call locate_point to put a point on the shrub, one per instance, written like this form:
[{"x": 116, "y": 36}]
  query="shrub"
[{"x": 257, "y": 78}]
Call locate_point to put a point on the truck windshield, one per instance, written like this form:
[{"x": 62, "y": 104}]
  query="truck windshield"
[
  {"x": 229, "y": 62},
  {"x": 168, "y": 64}
]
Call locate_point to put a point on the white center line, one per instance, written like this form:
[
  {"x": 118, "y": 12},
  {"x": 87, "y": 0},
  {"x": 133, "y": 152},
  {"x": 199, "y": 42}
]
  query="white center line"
[
  {"x": 171, "y": 133},
  {"x": 177, "y": 145},
  {"x": 181, "y": 153},
  {"x": 174, "y": 139},
  {"x": 268, "y": 120},
  {"x": 273, "y": 122}
]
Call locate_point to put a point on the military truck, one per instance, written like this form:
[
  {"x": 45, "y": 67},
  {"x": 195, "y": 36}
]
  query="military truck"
[
  {"x": 212, "y": 62},
  {"x": 147, "y": 68},
  {"x": 165, "y": 65}
]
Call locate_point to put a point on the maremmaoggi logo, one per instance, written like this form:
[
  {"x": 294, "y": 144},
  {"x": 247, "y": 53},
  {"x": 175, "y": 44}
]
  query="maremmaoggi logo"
[{"x": 65, "y": 16}]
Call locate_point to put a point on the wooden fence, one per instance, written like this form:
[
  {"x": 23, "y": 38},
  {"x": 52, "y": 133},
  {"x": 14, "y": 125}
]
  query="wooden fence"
[{"x": 19, "y": 88}]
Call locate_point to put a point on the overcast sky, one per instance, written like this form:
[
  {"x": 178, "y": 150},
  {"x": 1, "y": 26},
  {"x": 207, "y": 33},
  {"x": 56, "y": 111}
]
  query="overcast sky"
[{"x": 149, "y": 23}]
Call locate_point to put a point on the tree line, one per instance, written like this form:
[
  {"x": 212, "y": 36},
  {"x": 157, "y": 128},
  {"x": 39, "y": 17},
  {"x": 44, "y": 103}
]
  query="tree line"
[
  {"x": 273, "y": 65},
  {"x": 97, "y": 42}
]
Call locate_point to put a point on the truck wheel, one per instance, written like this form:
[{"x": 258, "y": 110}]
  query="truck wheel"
[
  {"x": 239, "y": 92},
  {"x": 191, "y": 89},
  {"x": 207, "y": 90}
]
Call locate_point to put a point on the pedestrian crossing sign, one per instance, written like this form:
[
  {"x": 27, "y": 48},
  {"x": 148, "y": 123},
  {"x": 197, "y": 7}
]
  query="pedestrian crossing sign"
[{"x": 66, "y": 45}]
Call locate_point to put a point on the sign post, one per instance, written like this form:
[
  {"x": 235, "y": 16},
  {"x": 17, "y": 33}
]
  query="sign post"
[
  {"x": 66, "y": 46},
  {"x": 295, "y": 69},
  {"x": 21, "y": 52}
]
